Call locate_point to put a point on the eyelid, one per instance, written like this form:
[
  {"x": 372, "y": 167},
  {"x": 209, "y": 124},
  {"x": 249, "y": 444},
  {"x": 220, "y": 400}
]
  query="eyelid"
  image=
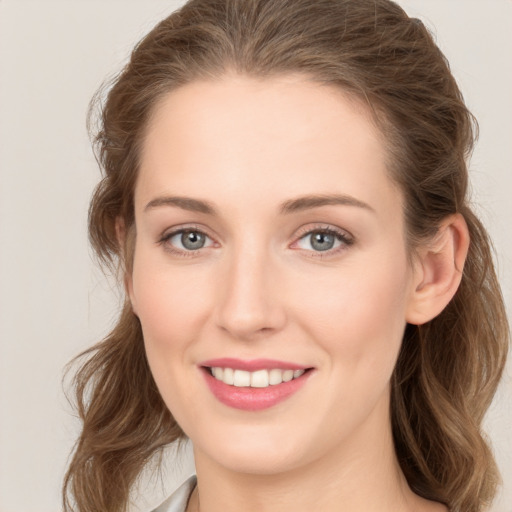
[
  {"x": 175, "y": 230},
  {"x": 344, "y": 236}
]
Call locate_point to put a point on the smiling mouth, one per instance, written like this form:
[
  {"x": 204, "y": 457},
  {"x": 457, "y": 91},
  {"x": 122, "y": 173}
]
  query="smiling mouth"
[
  {"x": 254, "y": 385},
  {"x": 257, "y": 379}
]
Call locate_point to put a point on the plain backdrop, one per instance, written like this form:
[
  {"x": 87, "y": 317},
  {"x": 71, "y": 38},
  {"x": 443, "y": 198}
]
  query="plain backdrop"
[{"x": 54, "y": 301}]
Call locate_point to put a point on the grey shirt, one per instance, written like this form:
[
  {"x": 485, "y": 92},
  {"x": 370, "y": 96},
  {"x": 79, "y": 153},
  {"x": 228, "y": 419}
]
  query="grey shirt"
[{"x": 177, "y": 501}]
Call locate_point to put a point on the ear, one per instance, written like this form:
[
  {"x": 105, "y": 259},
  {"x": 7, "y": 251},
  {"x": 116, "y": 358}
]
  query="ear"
[
  {"x": 121, "y": 236},
  {"x": 438, "y": 270}
]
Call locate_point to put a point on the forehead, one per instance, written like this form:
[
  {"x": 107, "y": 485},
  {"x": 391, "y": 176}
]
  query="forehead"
[{"x": 246, "y": 138}]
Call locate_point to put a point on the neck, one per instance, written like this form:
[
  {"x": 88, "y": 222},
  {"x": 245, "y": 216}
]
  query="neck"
[{"x": 361, "y": 473}]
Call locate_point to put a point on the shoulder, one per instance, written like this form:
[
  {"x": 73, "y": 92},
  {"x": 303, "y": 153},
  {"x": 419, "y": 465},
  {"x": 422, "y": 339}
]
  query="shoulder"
[{"x": 177, "y": 501}]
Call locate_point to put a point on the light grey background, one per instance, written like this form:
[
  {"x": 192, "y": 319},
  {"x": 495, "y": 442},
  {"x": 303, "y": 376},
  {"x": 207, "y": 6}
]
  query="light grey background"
[{"x": 54, "y": 302}]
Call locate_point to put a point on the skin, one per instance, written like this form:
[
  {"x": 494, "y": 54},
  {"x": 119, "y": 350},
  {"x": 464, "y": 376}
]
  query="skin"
[{"x": 259, "y": 289}]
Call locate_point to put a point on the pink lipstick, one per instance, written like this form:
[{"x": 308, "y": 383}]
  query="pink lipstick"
[{"x": 253, "y": 385}]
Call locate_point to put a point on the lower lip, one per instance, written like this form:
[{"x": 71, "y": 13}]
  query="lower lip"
[{"x": 253, "y": 399}]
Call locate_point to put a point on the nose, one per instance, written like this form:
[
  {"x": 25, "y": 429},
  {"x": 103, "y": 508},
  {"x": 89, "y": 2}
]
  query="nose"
[{"x": 250, "y": 304}]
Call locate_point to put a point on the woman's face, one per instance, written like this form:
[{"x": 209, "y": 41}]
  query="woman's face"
[{"x": 270, "y": 238}]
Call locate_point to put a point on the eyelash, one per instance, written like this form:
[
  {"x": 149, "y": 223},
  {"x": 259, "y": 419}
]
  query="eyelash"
[
  {"x": 342, "y": 236},
  {"x": 178, "y": 252}
]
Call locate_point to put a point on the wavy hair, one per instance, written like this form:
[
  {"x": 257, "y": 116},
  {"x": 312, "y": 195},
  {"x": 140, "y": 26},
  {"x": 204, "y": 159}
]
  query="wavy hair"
[{"x": 448, "y": 369}]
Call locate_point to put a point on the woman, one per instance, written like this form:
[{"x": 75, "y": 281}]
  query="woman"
[{"x": 310, "y": 298}]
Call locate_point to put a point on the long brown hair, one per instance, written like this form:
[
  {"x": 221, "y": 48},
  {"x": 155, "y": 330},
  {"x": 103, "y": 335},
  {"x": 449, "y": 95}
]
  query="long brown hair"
[{"x": 447, "y": 370}]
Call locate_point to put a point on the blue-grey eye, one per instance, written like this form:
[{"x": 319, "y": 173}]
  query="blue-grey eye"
[
  {"x": 189, "y": 240},
  {"x": 321, "y": 240},
  {"x": 192, "y": 240}
]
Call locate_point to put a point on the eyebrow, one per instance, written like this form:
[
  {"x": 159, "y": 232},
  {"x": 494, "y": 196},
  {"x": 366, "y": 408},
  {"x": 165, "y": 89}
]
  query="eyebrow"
[
  {"x": 314, "y": 201},
  {"x": 290, "y": 206},
  {"x": 185, "y": 203}
]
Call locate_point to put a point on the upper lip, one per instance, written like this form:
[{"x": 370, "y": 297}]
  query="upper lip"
[{"x": 252, "y": 365}]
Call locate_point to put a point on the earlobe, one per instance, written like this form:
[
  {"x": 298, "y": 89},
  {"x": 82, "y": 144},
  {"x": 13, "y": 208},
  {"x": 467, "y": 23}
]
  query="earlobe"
[
  {"x": 438, "y": 270},
  {"x": 121, "y": 236}
]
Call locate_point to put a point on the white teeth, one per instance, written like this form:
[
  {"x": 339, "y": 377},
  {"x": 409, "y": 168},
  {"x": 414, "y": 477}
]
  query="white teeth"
[
  {"x": 218, "y": 373},
  {"x": 241, "y": 378},
  {"x": 228, "y": 376},
  {"x": 257, "y": 379},
  {"x": 275, "y": 376},
  {"x": 287, "y": 375}
]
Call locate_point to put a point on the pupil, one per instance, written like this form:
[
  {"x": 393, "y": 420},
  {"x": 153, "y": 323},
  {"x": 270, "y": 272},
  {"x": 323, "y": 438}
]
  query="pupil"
[
  {"x": 322, "y": 241},
  {"x": 192, "y": 240}
]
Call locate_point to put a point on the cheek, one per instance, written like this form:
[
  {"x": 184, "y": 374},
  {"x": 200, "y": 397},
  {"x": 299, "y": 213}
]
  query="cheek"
[
  {"x": 358, "y": 314},
  {"x": 169, "y": 302},
  {"x": 170, "y": 305}
]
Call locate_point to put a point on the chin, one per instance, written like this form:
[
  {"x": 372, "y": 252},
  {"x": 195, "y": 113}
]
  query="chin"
[
  {"x": 257, "y": 463},
  {"x": 249, "y": 451}
]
